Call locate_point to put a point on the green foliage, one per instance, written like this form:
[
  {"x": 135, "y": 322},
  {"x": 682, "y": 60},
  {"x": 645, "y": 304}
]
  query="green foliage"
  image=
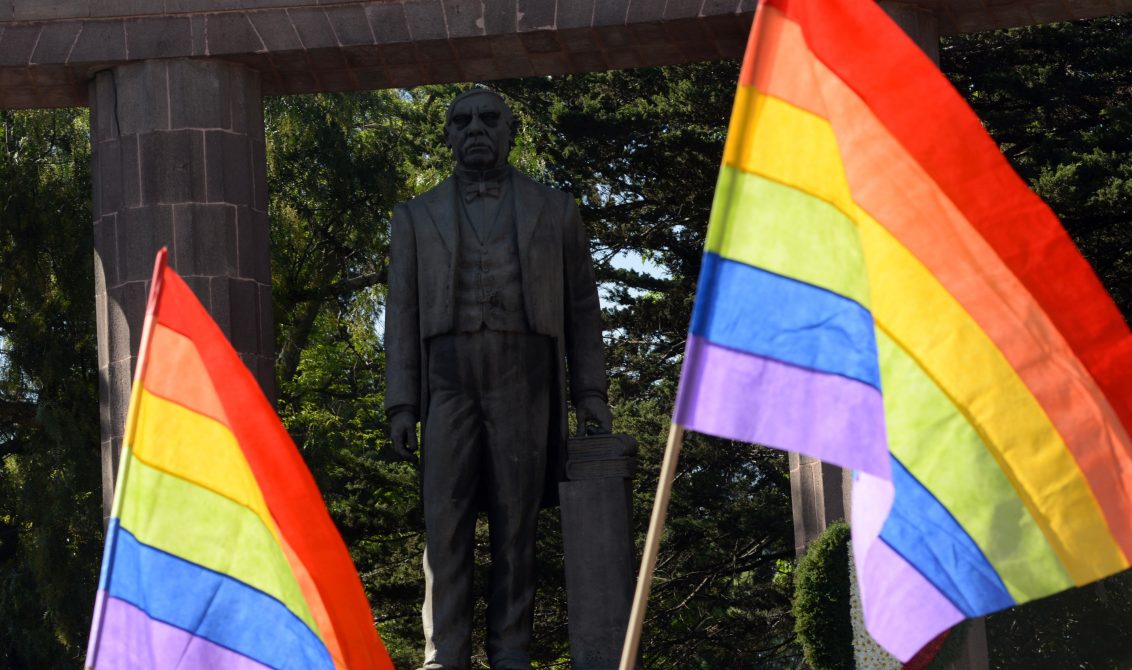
[
  {"x": 821, "y": 601},
  {"x": 50, "y": 502}
]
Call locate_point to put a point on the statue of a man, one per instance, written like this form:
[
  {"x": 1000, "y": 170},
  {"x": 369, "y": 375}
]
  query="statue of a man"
[{"x": 492, "y": 315}]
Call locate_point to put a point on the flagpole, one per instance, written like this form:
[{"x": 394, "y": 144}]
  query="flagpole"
[{"x": 652, "y": 545}]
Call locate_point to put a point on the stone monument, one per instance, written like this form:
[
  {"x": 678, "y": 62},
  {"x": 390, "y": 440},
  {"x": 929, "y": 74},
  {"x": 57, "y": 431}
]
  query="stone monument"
[{"x": 492, "y": 323}]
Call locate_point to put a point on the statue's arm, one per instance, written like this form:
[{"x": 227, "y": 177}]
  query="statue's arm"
[
  {"x": 585, "y": 356},
  {"x": 402, "y": 335}
]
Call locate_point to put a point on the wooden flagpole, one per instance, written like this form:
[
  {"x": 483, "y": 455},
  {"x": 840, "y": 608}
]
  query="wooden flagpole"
[{"x": 652, "y": 545}]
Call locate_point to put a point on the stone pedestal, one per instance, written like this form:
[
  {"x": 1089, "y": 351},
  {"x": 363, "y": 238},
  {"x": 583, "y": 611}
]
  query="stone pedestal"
[
  {"x": 597, "y": 536},
  {"x": 178, "y": 161}
]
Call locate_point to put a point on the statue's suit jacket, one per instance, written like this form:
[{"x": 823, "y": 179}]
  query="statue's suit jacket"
[{"x": 559, "y": 295}]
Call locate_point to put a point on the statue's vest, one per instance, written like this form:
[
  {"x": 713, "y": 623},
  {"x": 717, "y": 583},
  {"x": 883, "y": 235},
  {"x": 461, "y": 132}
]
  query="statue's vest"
[{"x": 489, "y": 283}]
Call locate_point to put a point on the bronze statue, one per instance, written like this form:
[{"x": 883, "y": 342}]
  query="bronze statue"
[{"x": 492, "y": 318}]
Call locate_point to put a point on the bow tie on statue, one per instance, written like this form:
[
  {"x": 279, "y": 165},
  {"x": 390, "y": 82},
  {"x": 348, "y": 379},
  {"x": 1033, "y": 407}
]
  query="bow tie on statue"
[
  {"x": 480, "y": 189},
  {"x": 481, "y": 183}
]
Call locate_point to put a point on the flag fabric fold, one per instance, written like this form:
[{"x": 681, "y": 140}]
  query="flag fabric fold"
[
  {"x": 220, "y": 552},
  {"x": 882, "y": 291}
]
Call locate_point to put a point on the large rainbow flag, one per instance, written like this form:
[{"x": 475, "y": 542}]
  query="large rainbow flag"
[
  {"x": 882, "y": 291},
  {"x": 219, "y": 552}
]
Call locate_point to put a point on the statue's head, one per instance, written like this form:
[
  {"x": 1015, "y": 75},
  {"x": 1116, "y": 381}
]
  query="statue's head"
[{"x": 479, "y": 129}]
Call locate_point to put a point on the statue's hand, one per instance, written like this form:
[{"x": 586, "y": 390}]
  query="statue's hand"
[
  {"x": 593, "y": 414},
  {"x": 403, "y": 432}
]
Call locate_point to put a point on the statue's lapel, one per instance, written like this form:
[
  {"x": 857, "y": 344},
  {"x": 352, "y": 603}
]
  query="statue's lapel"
[
  {"x": 529, "y": 202},
  {"x": 441, "y": 206}
]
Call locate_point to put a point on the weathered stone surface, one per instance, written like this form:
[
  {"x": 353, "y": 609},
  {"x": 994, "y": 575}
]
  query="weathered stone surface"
[{"x": 179, "y": 162}]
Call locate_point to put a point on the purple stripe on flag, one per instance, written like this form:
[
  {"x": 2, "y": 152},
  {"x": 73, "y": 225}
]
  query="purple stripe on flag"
[
  {"x": 130, "y": 639},
  {"x": 745, "y": 397},
  {"x": 903, "y": 611}
]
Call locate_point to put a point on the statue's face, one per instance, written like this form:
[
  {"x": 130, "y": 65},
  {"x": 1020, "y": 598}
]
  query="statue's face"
[{"x": 479, "y": 131}]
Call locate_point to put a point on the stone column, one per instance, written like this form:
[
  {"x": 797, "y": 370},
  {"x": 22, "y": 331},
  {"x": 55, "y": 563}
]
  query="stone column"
[
  {"x": 818, "y": 495},
  {"x": 178, "y": 161}
]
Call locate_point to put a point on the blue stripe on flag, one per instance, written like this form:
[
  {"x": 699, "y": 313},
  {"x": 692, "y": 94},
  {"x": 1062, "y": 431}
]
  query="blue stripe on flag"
[
  {"x": 754, "y": 311},
  {"x": 924, "y": 532},
  {"x": 211, "y": 605}
]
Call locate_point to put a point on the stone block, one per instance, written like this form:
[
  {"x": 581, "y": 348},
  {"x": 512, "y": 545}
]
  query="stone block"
[
  {"x": 131, "y": 183},
  {"x": 16, "y": 77},
  {"x": 142, "y": 102},
  {"x": 55, "y": 42},
  {"x": 205, "y": 239},
  {"x": 126, "y": 311},
  {"x": 506, "y": 47},
  {"x": 275, "y": 30},
  {"x": 542, "y": 41},
  {"x": 714, "y": 7},
  {"x": 536, "y": 15},
  {"x": 388, "y": 23},
  {"x": 500, "y": 17},
  {"x": 404, "y": 75},
  {"x": 550, "y": 64},
  {"x": 610, "y": 13},
  {"x": 371, "y": 79},
  {"x": 120, "y": 377},
  {"x": 478, "y": 69},
  {"x": 291, "y": 61},
  {"x": 42, "y": 10},
  {"x": 425, "y": 19},
  {"x": 647, "y": 34},
  {"x": 229, "y": 168},
  {"x": 622, "y": 59},
  {"x": 350, "y": 26},
  {"x": 109, "y": 192},
  {"x": 465, "y": 18},
  {"x": 259, "y": 173},
  {"x": 588, "y": 61},
  {"x": 198, "y": 42},
  {"x": 231, "y": 34},
  {"x": 297, "y": 82},
  {"x": 468, "y": 48},
  {"x": 660, "y": 54},
  {"x": 261, "y": 246},
  {"x": 615, "y": 37},
  {"x": 583, "y": 39},
  {"x": 327, "y": 59},
  {"x": 172, "y": 6},
  {"x": 399, "y": 55},
  {"x": 246, "y": 101},
  {"x": 105, "y": 8},
  {"x": 517, "y": 66},
  {"x": 332, "y": 81},
  {"x": 677, "y": 9},
  {"x": 645, "y": 11},
  {"x": 363, "y": 57},
  {"x": 439, "y": 72},
  {"x": 99, "y": 41},
  {"x": 265, "y": 375},
  {"x": 313, "y": 28},
  {"x": 105, "y": 255},
  {"x": 199, "y": 94},
  {"x": 243, "y": 295},
  {"x": 141, "y": 232},
  {"x": 158, "y": 37},
  {"x": 435, "y": 51},
  {"x": 172, "y": 167},
  {"x": 17, "y": 43},
  {"x": 266, "y": 320},
  {"x": 578, "y": 14}
]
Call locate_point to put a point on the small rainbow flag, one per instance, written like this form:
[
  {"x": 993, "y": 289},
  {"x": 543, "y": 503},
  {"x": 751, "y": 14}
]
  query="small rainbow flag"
[
  {"x": 881, "y": 290},
  {"x": 219, "y": 552}
]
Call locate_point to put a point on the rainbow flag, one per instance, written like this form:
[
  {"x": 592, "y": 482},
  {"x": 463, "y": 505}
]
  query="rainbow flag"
[
  {"x": 219, "y": 552},
  {"x": 880, "y": 290}
]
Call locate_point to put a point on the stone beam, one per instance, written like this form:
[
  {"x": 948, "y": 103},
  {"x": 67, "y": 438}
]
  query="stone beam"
[{"x": 49, "y": 50}]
